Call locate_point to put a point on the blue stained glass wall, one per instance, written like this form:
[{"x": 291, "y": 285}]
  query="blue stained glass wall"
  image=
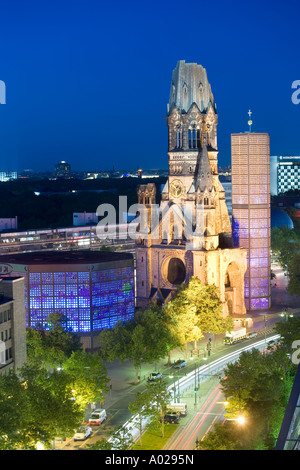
[{"x": 90, "y": 301}]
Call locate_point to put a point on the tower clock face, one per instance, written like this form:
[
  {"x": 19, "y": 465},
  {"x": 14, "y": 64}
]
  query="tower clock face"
[{"x": 176, "y": 188}]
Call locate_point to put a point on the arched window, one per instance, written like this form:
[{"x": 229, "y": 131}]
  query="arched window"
[
  {"x": 194, "y": 138},
  {"x": 178, "y": 143}
]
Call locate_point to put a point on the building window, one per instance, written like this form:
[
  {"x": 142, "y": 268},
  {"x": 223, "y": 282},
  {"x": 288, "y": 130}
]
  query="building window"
[
  {"x": 178, "y": 140},
  {"x": 194, "y": 138}
]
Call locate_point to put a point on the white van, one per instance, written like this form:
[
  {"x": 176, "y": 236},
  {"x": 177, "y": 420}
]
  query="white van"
[
  {"x": 97, "y": 417},
  {"x": 180, "y": 407}
]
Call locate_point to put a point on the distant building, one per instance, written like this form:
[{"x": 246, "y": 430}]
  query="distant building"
[
  {"x": 84, "y": 218},
  {"x": 285, "y": 174},
  {"x": 251, "y": 218},
  {"x": 8, "y": 176},
  {"x": 63, "y": 170},
  {"x": 12, "y": 323},
  {"x": 279, "y": 218},
  {"x": 8, "y": 223}
]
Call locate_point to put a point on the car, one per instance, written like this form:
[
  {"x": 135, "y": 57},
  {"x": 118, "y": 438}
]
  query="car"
[
  {"x": 97, "y": 417},
  {"x": 171, "y": 417},
  {"x": 179, "y": 364},
  {"x": 253, "y": 334},
  {"x": 82, "y": 433},
  {"x": 154, "y": 376}
]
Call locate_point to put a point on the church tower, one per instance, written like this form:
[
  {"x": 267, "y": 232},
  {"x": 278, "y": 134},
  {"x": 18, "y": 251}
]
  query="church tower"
[{"x": 190, "y": 233}]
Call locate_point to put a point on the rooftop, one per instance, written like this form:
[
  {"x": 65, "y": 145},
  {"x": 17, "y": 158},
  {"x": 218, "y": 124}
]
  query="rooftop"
[{"x": 64, "y": 257}]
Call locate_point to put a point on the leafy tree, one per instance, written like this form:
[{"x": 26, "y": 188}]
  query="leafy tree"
[
  {"x": 139, "y": 407},
  {"x": 156, "y": 407},
  {"x": 222, "y": 437},
  {"x": 258, "y": 385},
  {"x": 101, "y": 444},
  {"x": 88, "y": 376},
  {"x": 51, "y": 347},
  {"x": 286, "y": 243},
  {"x": 294, "y": 274},
  {"x": 196, "y": 309},
  {"x": 37, "y": 407},
  {"x": 144, "y": 339},
  {"x": 289, "y": 332}
]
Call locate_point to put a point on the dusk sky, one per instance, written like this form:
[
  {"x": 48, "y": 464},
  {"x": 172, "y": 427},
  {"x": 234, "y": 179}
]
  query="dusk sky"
[{"x": 89, "y": 81}]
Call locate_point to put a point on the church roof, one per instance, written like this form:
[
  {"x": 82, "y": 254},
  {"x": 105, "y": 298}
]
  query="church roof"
[{"x": 190, "y": 86}]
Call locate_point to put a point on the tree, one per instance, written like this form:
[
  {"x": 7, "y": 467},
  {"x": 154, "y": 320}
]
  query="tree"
[
  {"x": 286, "y": 243},
  {"x": 157, "y": 402},
  {"x": 35, "y": 406},
  {"x": 196, "y": 309},
  {"x": 139, "y": 407},
  {"x": 144, "y": 339},
  {"x": 51, "y": 347},
  {"x": 222, "y": 437},
  {"x": 88, "y": 376},
  {"x": 289, "y": 332},
  {"x": 258, "y": 386},
  {"x": 294, "y": 274}
]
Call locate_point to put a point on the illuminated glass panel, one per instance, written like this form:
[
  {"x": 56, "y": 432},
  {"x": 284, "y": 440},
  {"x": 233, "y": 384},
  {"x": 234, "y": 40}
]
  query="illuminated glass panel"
[
  {"x": 251, "y": 201},
  {"x": 109, "y": 298}
]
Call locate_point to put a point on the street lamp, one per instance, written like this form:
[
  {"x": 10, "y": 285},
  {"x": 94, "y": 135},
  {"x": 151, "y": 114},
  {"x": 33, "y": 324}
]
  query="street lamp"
[
  {"x": 241, "y": 420},
  {"x": 171, "y": 376},
  {"x": 195, "y": 387}
]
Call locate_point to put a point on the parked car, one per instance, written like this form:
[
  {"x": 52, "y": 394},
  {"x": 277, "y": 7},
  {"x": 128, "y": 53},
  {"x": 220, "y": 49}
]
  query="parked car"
[
  {"x": 172, "y": 418},
  {"x": 253, "y": 334},
  {"x": 82, "y": 433},
  {"x": 154, "y": 376},
  {"x": 97, "y": 417},
  {"x": 179, "y": 364}
]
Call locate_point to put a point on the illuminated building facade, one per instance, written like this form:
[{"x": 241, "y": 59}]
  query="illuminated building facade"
[
  {"x": 285, "y": 174},
  {"x": 63, "y": 170},
  {"x": 251, "y": 216},
  {"x": 92, "y": 290},
  {"x": 12, "y": 324},
  {"x": 8, "y": 176},
  {"x": 170, "y": 254}
]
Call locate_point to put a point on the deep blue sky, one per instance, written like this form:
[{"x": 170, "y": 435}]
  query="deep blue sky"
[{"x": 89, "y": 81}]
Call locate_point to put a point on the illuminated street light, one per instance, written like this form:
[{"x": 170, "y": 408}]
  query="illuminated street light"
[{"x": 241, "y": 420}]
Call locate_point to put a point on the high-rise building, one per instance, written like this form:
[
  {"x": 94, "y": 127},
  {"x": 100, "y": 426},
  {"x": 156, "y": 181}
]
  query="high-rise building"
[
  {"x": 8, "y": 176},
  {"x": 63, "y": 170},
  {"x": 251, "y": 218},
  {"x": 12, "y": 322},
  {"x": 191, "y": 235},
  {"x": 285, "y": 173}
]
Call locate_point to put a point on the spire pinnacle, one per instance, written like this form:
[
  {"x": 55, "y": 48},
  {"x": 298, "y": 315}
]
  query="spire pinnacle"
[{"x": 250, "y": 121}]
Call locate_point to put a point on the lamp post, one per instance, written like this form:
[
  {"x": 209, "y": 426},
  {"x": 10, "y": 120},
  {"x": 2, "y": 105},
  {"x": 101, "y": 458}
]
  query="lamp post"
[
  {"x": 286, "y": 314},
  {"x": 195, "y": 386},
  {"x": 176, "y": 393}
]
